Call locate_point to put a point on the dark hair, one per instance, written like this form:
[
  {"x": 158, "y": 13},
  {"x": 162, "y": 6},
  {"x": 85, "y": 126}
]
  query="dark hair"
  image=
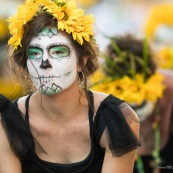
[
  {"x": 128, "y": 45},
  {"x": 32, "y": 28}
]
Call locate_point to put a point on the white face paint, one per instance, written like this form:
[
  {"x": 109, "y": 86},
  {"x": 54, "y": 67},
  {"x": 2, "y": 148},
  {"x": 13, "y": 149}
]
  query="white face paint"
[{"x": 52, "y": 61}]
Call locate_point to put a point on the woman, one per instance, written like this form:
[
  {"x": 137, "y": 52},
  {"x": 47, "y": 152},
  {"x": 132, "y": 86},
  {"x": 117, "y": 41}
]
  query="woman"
[
  {"x": 149, "y": 91},
  {"x": 62, "y": 127}
]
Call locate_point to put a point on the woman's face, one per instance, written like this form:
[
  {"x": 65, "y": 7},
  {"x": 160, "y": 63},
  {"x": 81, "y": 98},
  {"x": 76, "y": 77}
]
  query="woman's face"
[{"x": 52, "y": 61}]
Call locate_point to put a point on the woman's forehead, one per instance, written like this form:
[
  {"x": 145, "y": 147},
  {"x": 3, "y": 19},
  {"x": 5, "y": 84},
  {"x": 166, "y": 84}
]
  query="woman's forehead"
[{"x": 49, "y": 36}]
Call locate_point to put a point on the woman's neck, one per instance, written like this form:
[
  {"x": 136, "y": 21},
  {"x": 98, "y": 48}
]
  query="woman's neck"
[{"x": 65, "y": 104}]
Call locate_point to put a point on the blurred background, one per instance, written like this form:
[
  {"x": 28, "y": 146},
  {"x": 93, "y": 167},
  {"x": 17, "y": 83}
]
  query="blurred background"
[{"x": 8, "y": 86}]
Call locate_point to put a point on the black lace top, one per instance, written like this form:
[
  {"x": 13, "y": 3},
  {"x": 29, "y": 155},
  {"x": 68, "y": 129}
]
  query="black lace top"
[{"x": 111, "y": 115}]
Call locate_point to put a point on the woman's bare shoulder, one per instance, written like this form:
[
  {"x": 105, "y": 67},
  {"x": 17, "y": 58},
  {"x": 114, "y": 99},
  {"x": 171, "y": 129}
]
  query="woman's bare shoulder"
[
  {"x": 99, "y": 95},
  {"x": 98, "y": 98},
  {"x": 127, "y": 111}
]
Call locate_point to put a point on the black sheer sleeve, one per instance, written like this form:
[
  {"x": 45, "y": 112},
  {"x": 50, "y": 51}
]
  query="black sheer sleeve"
[
  {"x": 115, "y": 117},
  {"x": 18, "y": 134}
]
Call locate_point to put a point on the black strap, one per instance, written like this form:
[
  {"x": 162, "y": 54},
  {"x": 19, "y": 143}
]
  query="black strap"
[
  {"x": 27, "y": 108},
  {"x": 15, "y": 102},
  {"x": 91, "y": 113}
]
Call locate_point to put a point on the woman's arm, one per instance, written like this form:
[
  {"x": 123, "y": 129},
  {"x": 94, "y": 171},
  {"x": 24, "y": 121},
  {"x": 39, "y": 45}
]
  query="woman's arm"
[
  {"x": 125, "y": 163},
  {"x": 9, "y": 163}
]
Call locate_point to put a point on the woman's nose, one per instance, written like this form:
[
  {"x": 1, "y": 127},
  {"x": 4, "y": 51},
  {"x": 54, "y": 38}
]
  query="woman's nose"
[{"x": 45, "y": 64}]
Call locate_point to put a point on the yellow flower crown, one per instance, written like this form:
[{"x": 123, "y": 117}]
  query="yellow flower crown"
[
  {"x": 128, "y": 84},
  {"x": 70, "y": 19}
]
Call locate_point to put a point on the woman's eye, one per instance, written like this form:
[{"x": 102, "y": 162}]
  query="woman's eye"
[
  {"x": 34, "y": 53},
  {"x": 59, "y": 52}
]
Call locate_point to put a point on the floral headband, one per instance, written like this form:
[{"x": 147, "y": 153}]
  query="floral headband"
[{"x": 70, "y": 19}]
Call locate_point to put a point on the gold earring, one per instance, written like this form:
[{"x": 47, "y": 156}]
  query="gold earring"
[{"x": 81, "y": 79}]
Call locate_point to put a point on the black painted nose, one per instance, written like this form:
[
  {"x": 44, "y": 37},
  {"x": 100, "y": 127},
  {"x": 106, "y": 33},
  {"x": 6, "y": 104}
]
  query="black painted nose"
[{"x": 45, "y": 64}]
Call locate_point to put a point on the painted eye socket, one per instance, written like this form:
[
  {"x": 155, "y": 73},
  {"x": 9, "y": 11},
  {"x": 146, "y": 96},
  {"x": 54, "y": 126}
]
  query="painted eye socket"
[
  {"x": 34, "y": 53},
  {"x": 59, "y": 51}
]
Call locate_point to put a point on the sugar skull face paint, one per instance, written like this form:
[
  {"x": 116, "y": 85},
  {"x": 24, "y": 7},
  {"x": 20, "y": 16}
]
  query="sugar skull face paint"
[{"x": 52, "y": 61}]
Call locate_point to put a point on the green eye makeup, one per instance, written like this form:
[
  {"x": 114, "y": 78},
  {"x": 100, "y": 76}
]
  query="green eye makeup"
[
  {"x": 34, "y": 53},
  {"x": 55, "y": 52},
  {"x": 59, "y": 51}
]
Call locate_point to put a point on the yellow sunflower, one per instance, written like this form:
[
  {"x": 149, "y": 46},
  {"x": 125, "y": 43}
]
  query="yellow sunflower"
[{"x": 70, "y": 19}]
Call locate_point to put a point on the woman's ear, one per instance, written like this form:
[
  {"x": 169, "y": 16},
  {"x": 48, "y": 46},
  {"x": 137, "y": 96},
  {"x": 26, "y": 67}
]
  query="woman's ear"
[{"x": 85, "y": 59}]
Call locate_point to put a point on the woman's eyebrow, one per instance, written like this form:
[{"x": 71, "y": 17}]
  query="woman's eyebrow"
[
  {"x": 35, "y": 46},
  {"x": 58, "y": 44}
]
